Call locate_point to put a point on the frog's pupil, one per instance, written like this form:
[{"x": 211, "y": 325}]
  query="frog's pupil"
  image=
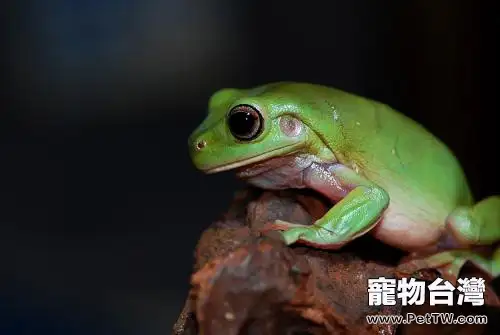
[{"x": 244, "y": 124}]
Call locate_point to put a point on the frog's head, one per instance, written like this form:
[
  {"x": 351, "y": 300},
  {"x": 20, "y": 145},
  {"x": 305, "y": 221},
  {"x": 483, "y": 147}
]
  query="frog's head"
[{"x": 249, "y": 126}]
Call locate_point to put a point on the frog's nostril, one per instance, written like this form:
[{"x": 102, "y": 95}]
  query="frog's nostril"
[{"x": 201, "y": 144}]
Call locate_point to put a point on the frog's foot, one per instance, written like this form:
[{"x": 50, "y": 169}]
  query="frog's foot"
[
  {"x": 314, "y": 235},
  {"x": 444, "y": 263},
  {"x": 449, "y": 264}
]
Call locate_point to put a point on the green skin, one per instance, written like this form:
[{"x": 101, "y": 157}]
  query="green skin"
[{"x": 385, "y": 173}]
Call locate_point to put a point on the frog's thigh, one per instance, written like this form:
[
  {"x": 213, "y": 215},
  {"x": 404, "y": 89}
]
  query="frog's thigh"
[{"x": 478, "y": 224}]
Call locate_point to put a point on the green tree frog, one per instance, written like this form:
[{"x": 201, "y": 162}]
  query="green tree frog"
[{"x": 383, "y": 172}]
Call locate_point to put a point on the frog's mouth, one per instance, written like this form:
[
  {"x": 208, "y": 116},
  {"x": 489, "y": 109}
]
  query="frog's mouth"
[{"x": 241, "y": 165}]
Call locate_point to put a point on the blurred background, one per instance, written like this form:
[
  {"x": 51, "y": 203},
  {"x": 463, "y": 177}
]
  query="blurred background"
[{"x": 100, "y": 207}]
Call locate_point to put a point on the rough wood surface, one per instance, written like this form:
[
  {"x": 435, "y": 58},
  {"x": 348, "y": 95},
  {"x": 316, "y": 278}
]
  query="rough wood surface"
[{"x": 246, "y": 282}]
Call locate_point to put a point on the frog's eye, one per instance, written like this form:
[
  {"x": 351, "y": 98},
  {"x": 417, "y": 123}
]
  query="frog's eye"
[{"x": 245, "y": 122}]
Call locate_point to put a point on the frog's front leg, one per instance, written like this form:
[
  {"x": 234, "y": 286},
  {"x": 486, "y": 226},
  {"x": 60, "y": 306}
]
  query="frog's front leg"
[{"x": 360, "y": 206}]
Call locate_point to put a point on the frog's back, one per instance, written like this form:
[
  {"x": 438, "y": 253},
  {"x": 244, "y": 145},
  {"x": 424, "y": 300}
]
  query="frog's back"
[
  {"x": 406, "y": 153},
  {"x": 387, "y": 147},
  {"x": 399, "y": 154}
]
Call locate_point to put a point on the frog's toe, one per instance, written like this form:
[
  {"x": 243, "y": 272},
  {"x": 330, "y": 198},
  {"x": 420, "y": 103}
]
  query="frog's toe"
[
  {"x": 293, "y": 235},
  {"x": 450, "y": 272},
  {"x": 283, "y": 225},
  {"x": 291, "y": 232},
  {"x": 279, "y": 225},
  {"x": 447, "y": 264},
  {"x": 313, "y": 236}
]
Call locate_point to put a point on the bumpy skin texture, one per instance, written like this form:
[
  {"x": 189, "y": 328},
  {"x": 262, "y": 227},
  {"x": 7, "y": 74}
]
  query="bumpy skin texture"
[{"x": 385, "y": 173}]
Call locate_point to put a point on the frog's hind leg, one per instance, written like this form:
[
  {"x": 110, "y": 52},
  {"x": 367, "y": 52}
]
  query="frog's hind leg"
[
  {"x": 465, "y": 227},
  {"x": 476, "y": 225}
]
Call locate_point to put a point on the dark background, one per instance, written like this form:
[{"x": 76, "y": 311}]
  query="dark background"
[{"x": 100, "y": 207}]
